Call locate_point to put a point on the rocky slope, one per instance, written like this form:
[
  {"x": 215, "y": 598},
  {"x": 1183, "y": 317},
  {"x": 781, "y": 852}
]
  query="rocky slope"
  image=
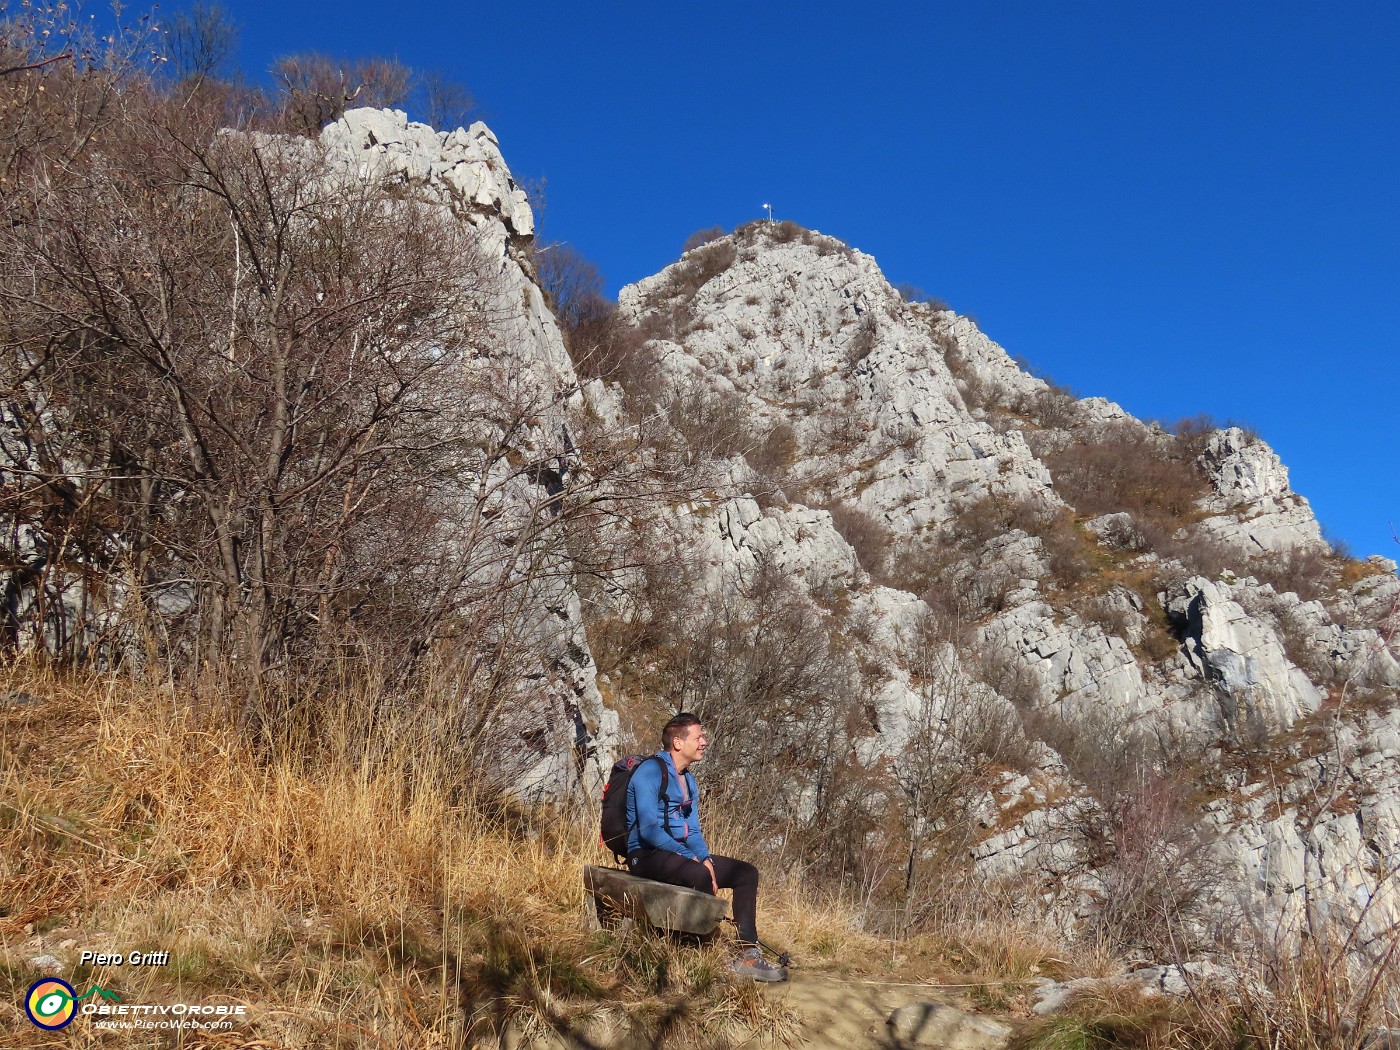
[
  {"x": 1197, "y": 658},
  {"x": 1006, "y": 630}
]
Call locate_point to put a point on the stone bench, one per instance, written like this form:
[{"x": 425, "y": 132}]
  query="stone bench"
[{"x": 675, "y": 909}]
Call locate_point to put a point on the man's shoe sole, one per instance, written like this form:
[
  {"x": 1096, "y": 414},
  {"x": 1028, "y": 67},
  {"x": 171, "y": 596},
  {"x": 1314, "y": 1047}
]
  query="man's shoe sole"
[{"x": 766, "y": 978}]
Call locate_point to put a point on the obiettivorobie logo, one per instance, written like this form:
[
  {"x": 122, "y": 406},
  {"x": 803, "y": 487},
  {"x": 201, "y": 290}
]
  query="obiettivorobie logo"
[{"x": 52, "y": 1004}]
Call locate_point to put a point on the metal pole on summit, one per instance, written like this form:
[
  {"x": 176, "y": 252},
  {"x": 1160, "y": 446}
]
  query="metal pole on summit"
[{"x": 770, "y": 213}]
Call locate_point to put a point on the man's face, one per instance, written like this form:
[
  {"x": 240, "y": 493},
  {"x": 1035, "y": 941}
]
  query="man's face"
[{"x": 691, "y": 746}]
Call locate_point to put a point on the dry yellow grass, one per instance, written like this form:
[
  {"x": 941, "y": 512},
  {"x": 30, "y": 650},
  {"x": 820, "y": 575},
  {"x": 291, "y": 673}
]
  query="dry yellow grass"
[
  {"x": 359, "y": 891},
  {"x": 350, "y": 890}
]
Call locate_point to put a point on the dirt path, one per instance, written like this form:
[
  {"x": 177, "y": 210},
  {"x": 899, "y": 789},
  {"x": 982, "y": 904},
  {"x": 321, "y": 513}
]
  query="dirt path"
[{"x": 850, "y": 1014}]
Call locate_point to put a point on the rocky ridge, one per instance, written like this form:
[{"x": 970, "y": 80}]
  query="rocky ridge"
[
  {"x": 569, "y": 730},
  {"x": 910, "y": 414}
]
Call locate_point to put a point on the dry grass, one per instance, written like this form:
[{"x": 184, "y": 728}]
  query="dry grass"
[
  {"x": 359, "y": 897},
  {"x": 1297, "y": 991},
  {"x": 363, "y": 897},
  {"x": 350, "y": 891}
]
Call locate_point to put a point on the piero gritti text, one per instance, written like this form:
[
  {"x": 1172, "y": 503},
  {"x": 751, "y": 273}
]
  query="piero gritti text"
[{"x": 129, "y": 959}]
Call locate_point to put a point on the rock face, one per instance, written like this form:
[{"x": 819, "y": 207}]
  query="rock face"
[
  {"x": 464, "y": 166},
  {"x": 1262, "y": 691},
  {"x": 1173, "y": 648},
  {"x": 1260, "y": 512},
  {"x": 570, "y": 732},
  {"x": 811, "y": 338}
]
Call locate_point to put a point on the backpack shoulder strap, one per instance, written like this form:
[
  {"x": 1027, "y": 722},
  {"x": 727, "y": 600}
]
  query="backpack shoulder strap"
[{"x": 661, "y": 799}]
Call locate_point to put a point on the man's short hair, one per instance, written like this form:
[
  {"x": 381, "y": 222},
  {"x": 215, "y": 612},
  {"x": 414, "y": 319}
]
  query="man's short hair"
[{"x": 677, "y": 727}]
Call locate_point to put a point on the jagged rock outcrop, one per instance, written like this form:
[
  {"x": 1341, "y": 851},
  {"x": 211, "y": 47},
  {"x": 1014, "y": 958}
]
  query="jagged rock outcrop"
[
  {"x": 810, "y": 336},
  {"x": 1260, "y": 688},
  {"x": 1258, "y": 510},
  {"x": 564, "y": 722}
]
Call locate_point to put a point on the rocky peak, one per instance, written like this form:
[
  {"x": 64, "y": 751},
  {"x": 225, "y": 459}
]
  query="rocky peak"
[
  {"x": 1200, "y": 612},
  {"x": 814, "y": 342},
  {"x": 466, "y": 164}
]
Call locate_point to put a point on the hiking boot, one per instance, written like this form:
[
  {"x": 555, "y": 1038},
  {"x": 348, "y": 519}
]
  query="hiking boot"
[{"x": 751, "y": 963}]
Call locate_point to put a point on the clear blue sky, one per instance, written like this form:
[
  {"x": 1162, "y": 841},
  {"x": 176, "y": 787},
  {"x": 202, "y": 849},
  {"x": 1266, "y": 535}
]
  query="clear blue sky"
[{"x": 1184, "y": 207}]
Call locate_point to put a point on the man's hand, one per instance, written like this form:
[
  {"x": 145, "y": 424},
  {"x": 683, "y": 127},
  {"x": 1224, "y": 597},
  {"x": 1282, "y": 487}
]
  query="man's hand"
[{"x": 713, "y": 884}]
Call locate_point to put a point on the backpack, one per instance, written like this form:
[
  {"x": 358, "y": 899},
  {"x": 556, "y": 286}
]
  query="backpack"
[{"x": 614, "y": 825}]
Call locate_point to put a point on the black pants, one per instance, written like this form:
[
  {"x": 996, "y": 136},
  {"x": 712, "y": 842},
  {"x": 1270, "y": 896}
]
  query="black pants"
[{"x": 737, "y": 875}]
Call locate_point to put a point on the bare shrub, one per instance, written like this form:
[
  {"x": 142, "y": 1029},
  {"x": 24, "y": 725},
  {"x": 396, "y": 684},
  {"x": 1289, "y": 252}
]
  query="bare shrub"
[
  {"x": 702, "y": 237},
  {"x": 775, "y": 452},
  {"x": 957, "y": 737},
  {"x": 978, "y": 393},
  {"x": 784, "y": 232},
  {"x": 446, "y": 103},
  {"x": 1052, "y": 407},
  {"x": 863, "y": 340},
  {"x": 1125, "y": 467},
  {"x": 1307, "y": 571},
  {"x": 1112, "y": 615},
  {"x": 601, "y": 343},
  {"x": 200, "y": 42},
  {"x": 760, "y": 670},
  {"x": 1154, "y": 854},
  {"x": 1193, "y": 434},
  {"x": 1066, "y": 548},
  {"x": 974, "y": 524},
  {"x": 316, "y": 89},
  {"x": 1001, "y": 670},
  {"x": 912, "y": 293},
  {"x": 710, "y": 421},
  {"x": 259, "y": 419},
  {"x": 698, "y": 267},
  {"x": 1186, "y": 552},
  {"x": 947, "y": 577},
  {"x": 671, "y": 321},
  {"x": 872, "y": 540},
  {"x": 1306, "y": 988}
]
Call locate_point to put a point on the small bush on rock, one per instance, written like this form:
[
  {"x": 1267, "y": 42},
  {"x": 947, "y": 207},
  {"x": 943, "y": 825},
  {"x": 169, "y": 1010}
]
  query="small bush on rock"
[
  {"x": 702, "y": 237},
  {"x": 698, "y": 267},
  {"x": 871, "y": 539}
]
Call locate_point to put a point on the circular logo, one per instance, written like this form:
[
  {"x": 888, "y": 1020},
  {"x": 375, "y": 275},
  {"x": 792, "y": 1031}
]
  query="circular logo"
[{"x": 51, "y": 1003}]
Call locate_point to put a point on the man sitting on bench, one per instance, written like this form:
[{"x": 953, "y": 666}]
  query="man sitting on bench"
[{"x": 665, "y": 843}]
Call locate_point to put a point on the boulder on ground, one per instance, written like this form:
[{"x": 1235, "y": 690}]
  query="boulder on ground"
[{"x": 945, "y": 1027}]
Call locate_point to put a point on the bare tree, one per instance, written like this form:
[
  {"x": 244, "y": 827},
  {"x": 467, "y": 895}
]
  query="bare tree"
[
  {"x": 956, "y": 734},
  {"x": 317, "y": 89},
  {"x": 601, "y": 343},
  {"x": 446, "y": 103},
  {"x": 200, "y": 42}
]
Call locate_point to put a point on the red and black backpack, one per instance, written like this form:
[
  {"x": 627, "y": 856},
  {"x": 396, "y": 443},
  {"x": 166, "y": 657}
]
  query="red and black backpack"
[{"x": 614, "y": 825}]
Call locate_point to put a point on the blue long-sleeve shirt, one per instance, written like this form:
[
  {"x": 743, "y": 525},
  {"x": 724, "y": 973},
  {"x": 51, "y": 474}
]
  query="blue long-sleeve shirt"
[{"x": 672, "y": 823}]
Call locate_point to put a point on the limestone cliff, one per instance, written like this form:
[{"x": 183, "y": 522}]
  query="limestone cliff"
[{"x": 1173, "y": 637}]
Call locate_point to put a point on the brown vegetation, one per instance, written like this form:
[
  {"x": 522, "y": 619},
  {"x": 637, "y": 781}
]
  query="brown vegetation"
[
  {"x": 345, "y": 857},
  {"x": 600, "y": 342},
  {"x": 256, "y": 415},
  {"x": 788, "y": 232},
  {"x": 702, "y": 237},
  {"x": 1125, "y": 466}
]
